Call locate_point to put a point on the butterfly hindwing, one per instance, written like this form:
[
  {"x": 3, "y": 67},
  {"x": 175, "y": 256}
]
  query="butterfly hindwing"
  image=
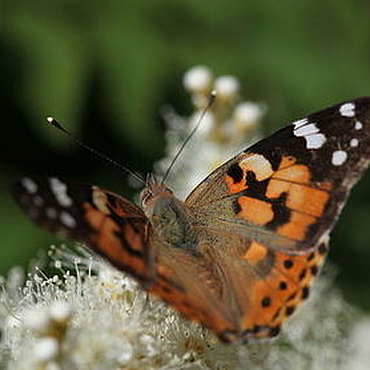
[
  {"x": 110, "y": 224},
  {"x": 287, "y": 190}
]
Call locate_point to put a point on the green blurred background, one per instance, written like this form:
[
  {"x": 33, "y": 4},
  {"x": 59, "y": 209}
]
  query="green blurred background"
[{"x": 106, "y": 68}]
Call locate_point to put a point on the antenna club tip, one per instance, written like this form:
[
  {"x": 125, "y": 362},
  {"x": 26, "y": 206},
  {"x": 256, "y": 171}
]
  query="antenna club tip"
[
  {"x": 211, "y": 98},
  {"x": 50, "y": 119}
]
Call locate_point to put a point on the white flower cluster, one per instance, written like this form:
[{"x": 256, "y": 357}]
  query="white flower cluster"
[
  {"x": 93, "y": 317},
  {"x": 88, "y": 316}
]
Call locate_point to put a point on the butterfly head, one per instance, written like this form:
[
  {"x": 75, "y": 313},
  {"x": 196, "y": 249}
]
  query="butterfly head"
[{"x": 152, "y": 191}]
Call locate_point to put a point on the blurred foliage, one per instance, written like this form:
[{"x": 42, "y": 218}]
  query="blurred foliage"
[{"x": 106, "y": 69}]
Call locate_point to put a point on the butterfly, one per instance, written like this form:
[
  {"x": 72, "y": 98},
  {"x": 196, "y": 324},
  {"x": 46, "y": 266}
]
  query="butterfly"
[{"x": 240, "y": 254}]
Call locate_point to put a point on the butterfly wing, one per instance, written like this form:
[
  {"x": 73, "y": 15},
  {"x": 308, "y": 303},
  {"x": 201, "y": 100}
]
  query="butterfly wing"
[
  {"x": 287, "y": 190},
  {"x": 269, "y": 212},
  {"x": 110, "y": 224}
]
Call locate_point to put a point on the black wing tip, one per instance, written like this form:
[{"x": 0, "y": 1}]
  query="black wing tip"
[{"x": 22, "y": 191}]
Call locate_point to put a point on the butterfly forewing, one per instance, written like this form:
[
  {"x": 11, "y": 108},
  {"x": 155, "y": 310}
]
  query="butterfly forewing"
[
  {"x": 287, "y": 190},
  {"x": 110, "y": 224}
]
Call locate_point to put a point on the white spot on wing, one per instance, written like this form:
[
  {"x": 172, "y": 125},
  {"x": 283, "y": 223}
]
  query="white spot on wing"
[
  {"x": 315, "y": 141},
  {"x": 347, "y": 110},
  {"x": 59, "y": 189},
  {"x": 339, "y": 157},
  {"x": 311, "y": 133},
  {"x": 300, "y": 122},
  {"x": 358, "y": 125},
  {"x": 100, "y": 200},
  {"x": 30, "y": 185},
  {"x": 353, "y": 143},
  {"x": 67, "y": 219},
  {"x": 306, "y": 130},
  {"x": 259, "y": 165}
]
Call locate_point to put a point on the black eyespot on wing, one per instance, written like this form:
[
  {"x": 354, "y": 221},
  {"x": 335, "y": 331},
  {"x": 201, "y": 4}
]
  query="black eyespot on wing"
[
  {"x": 266, "y": 302},
  {"x": 288, "y": 264},
  {"x": 283, "y": 285}
]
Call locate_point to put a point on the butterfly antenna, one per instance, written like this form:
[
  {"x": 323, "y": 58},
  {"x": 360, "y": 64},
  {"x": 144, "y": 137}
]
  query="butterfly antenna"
[
  {"x": 121, "y": 166},
  {"x": 211, "y": 100}
]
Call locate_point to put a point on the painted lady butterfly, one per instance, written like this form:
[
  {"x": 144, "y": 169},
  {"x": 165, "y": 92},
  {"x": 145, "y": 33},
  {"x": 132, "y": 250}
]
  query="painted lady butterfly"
[{"x": 240, "y": 254}]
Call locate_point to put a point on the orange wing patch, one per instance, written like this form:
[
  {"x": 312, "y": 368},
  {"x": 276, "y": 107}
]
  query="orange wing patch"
[
  {"x": 277, "y": 295},
  {"x": 299, "y": 203},
  {"x": 255, "y": 210},
  {"x": 294, "y": 173},
  {"x": 295, "y": 181},
  {"x": 306, "y": 203},
  {"x": 109, "y": 236},
  {"x": 297, "y": 226},
  {"x": 255, "y": 253},
  {"x": 300, "y": 197}
]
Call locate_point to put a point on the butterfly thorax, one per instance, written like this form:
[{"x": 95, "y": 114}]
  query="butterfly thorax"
[{"x": 170, "y": 217}]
